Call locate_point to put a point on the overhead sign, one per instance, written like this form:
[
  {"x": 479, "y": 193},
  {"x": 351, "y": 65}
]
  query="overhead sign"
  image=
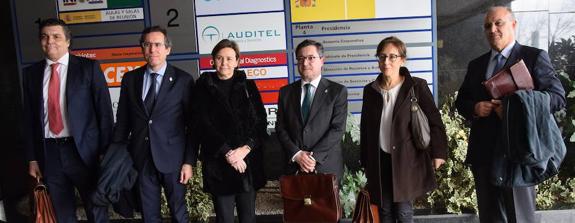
[
  {"x": 114, "y": 72},
  {"x": 111, "y": 15},
  {"x": 317, "y": 10},
  {"x": 211, "y": 7},
  {"x": 257, "y": 32},
  {"x": 110, "y": 53},
  {"x": 80, "y": 5}
]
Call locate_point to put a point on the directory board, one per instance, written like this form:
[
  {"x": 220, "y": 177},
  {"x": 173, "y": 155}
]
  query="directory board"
[{"x": 266, "y": 31}]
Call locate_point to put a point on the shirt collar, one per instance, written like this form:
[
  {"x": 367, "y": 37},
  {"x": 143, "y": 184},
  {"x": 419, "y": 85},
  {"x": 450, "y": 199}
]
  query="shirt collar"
[
  {"x": 314, "y": 82},
  {"x": 505, "y": 52},
  {"x": 63, "y": 60},
  {"x": 160, "y": 72}
]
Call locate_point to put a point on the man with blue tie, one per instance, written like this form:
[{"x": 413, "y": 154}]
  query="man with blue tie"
[
  {"x": 154, "y": 120},
  {"x": 500, "y": 204},
  {"x": 68, "y": 121}
]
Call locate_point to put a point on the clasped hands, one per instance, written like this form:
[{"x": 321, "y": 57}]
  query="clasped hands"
[
  {"x": 236, "y": 157},
  {"x": 306, "y": 161},
  {"x": 484, "y": 108}
]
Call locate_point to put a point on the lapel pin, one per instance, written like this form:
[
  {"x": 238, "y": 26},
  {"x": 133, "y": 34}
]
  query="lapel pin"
[
  {"x": 171, "y": 79},
  {"x": 325, "y": 91}
]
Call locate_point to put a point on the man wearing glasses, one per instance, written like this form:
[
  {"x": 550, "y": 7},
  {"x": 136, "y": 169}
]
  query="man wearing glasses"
[
  {"x": 154, "y": 120},
  {"x": 311, "y": 116},
  {"x": 500, "y": 204}
]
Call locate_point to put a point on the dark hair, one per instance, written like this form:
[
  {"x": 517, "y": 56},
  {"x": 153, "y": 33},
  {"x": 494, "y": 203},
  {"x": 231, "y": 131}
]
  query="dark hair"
[
  {"x": 395, "y": 42},
  {"x": 225, "y": 43},
  {"x": 146, "y": 31},
  {"x": 309, "y": 42},
  {"x": 55, "y": 22}
]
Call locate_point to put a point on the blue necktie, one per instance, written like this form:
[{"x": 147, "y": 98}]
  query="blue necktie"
[
  {"x": 306, "y": 105},
  {"x": 150, "y": 99},
  {"x": 500, "y": 62}
]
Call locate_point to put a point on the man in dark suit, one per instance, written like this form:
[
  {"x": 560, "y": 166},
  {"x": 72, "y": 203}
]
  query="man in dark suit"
[
  {"x": 154, "y": 119},
  {"x": 500, "y": 204},
  {"x": 311, "y": 116},
  {"x": 68, "y": 121}
]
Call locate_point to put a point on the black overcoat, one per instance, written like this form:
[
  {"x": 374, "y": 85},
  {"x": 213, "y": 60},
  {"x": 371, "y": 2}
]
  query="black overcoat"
[{"x": 224, "y": 123}]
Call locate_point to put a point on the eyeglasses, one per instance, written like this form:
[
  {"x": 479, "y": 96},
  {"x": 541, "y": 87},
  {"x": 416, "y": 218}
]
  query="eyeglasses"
[
  {"x": 148, "y": 44},
  {"x": 303, "y": 59},
  {"x": 391, "y": 57},
  {"x": 498, "y": 23}
]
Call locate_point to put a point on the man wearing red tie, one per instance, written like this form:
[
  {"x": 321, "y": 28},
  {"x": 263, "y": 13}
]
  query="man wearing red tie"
[{"x": 67, "y": 121}]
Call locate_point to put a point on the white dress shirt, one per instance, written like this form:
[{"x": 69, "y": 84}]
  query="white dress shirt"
[{"x": 389, "y": 99}]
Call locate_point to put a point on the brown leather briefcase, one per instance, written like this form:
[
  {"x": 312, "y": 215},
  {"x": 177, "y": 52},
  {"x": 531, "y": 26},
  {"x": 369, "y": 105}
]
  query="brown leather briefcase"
[
  {"x": 505, "y": 82},
  {"x": 43, "y": 205},
  {"x": 365, "y": 211},
  {"x": 310, "y": 198}
]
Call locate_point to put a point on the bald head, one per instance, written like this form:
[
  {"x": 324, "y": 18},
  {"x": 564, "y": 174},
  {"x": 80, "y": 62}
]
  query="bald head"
[{"x": 499, "y": 27}]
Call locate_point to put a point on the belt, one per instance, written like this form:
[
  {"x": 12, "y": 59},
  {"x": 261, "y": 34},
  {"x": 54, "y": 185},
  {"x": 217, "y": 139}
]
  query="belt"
[{"x": 63, "y": 140}]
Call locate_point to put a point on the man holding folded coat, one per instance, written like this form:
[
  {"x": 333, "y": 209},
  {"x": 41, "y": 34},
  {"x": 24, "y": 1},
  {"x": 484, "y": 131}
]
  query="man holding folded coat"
[{"x": 500, "y": 204}]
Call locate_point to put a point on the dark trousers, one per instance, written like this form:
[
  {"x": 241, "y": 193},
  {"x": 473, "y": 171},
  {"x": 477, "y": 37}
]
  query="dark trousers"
[
  {"x": 244, "y": 202},
  {"x": 64, "y": 170},
  {"x": 389, "y": 211},
  {"x": 502, "y": 204},
  {"x": 150, "y": 182}
]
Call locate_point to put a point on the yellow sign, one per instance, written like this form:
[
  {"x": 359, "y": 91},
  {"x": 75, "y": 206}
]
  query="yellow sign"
[
  {"x": 361, "y": 9},
  {"x": 81, "y": 17},
  {"x": 326, "y": 10}
]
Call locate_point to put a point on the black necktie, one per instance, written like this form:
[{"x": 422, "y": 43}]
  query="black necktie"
[
  {"x": 150, "y": 99},
  {"x": 306, "y": 104}
]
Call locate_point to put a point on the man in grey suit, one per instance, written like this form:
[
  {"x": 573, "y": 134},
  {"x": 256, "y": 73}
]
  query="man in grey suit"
[{"x": 311, "y": 116}]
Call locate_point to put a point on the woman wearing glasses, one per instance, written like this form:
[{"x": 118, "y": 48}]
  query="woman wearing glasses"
[
  {"x": 397, "y": 172},
  {"x": 231, "y": 124}
]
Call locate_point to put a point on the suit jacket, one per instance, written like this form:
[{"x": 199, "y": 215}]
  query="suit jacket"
[
  {"x": 89, "y": 109},
  {"x": 485, "y": 131},
  {"x": 167, "y": 130},
  {"x": 324, "y": 129}
]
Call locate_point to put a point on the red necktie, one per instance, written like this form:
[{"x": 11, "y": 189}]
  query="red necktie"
[{"x": 54, "y": 113}]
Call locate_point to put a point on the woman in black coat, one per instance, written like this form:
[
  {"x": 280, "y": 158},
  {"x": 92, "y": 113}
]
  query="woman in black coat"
[
  {"x": 231, "y": 124},
  {"x": 397, "y": 172}
]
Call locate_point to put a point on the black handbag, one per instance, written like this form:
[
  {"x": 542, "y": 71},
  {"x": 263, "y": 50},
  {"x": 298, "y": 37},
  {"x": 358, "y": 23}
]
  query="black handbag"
[{"x": 420, "y": 130}]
